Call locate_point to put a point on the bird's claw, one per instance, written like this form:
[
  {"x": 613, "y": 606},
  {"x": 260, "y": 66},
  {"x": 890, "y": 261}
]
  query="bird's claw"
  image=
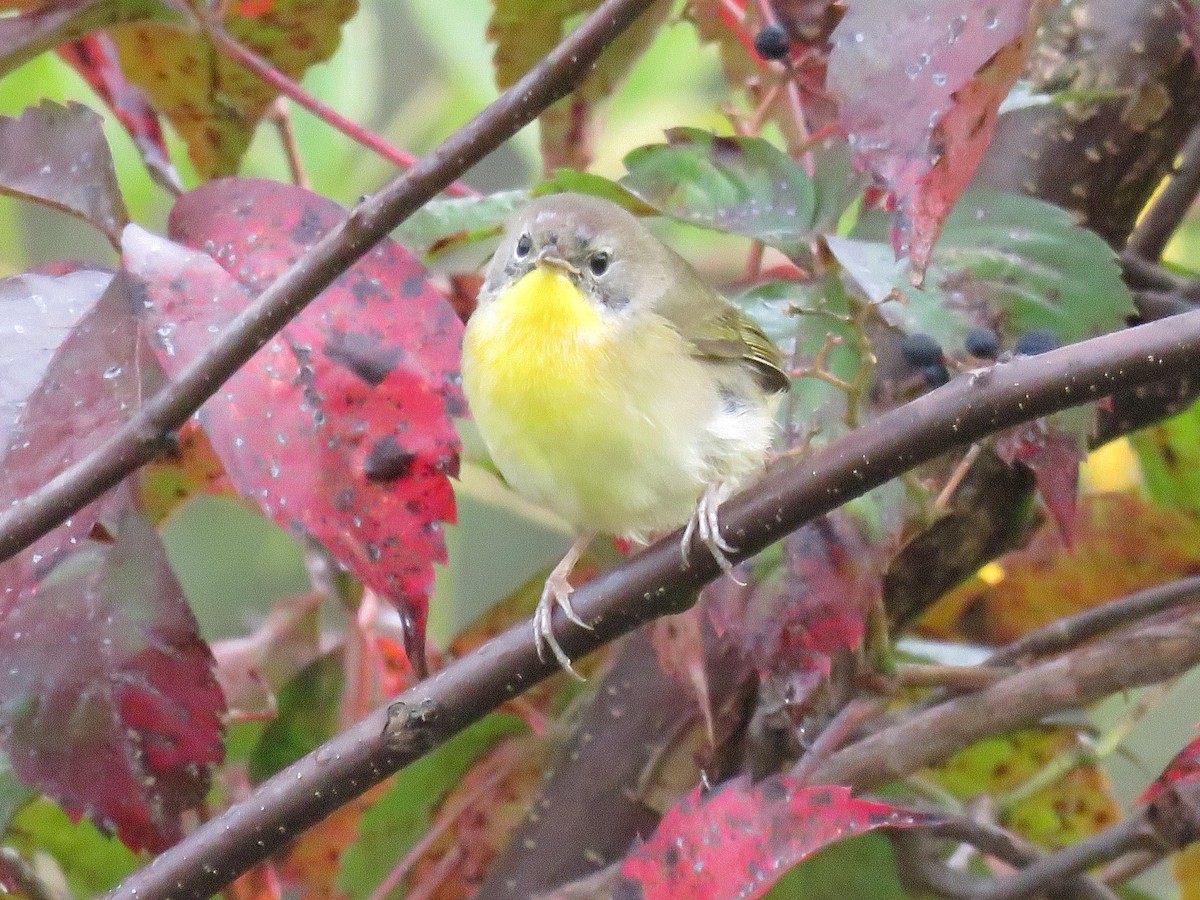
[
  {"x": 705, "y": 524},
  {"x": 557, "y": 592}
]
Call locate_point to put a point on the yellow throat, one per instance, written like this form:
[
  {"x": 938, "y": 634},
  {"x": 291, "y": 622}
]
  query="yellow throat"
[{"x": 534, "y": 349}]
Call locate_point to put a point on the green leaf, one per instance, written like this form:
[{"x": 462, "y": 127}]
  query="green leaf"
[
  {"x": 458, "y": 217},
  {"x": 308, "y": 716},
  {"x": 403, "y": 815},
  {"x": 91, "y": 861},
  {"x": 861, "y": 868},
  {"x": 13, "y": 794},
  {"x": 1009, "y": 262},
  {"x": 596, "y": 185},
  {"x": 1170, "y": 456},
  {"x": 744, "y": 185}
]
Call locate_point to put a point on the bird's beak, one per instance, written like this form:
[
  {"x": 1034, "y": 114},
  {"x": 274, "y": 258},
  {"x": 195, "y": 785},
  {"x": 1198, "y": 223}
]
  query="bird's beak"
[{"x": 550, "y": 257}]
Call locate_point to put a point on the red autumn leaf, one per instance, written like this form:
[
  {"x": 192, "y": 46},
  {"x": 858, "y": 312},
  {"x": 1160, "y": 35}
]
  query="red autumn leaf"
[
  {"x": 815, "y": 606},
  {"x": 95, "y": 58},
  {"x": 73, "y": 371},
  {"x": 107, "y": 696},
  {"x": 1054, "y": 456},
  {"x": 57, "y": 155},
  {"x": 739, "y": 839},
  {"x": 1184, "y": 768},
  {"x": 921, "y": 83},
  {"x": 340, "y": 427}
]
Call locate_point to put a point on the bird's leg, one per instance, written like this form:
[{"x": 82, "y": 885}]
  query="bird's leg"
[
  {"x": 557, "y": 592},
  {"x": 704, "y": 523}
]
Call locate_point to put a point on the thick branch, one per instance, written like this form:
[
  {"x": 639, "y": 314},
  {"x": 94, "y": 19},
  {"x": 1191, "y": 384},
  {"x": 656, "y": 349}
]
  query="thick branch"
[
  {"x": 656, "y": 582},
  {"x": 140, "y": 439},
  {"x": 1159, "y": 222},
  {"x": 1063, "y": 634},
  {"x": 1147, "y": 655}
]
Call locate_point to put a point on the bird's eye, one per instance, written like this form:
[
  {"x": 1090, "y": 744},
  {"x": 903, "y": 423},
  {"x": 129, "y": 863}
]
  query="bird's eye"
[
  {"x": 598, "y": 263},
  {"x": 524, "y": 245}
]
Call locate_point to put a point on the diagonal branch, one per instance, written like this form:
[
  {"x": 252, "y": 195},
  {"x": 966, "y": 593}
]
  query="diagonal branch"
[
  {"x": 1168, "y": 208},
  {"x": 141, "y": 437},
  {"x": 656, "y": 582}
]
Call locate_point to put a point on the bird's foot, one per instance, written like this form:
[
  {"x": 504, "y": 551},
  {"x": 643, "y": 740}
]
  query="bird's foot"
[
  {"x": 705, "y": 524},
  {"x": 557, "y": 592}
]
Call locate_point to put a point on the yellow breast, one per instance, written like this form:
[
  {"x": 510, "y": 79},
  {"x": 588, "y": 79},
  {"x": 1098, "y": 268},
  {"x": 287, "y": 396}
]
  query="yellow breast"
[{"x": 597, "y": 422}]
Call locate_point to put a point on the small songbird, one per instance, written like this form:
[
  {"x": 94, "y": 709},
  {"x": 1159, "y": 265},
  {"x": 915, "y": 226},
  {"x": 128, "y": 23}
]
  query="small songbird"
[{"x": 612, "y": 385}]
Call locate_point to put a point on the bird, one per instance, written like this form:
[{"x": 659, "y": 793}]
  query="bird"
[{"x": 612, "y": 385}]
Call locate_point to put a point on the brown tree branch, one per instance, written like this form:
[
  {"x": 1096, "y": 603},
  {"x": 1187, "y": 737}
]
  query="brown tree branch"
[
  {"x": 1159, "y": 222},
  {"x": 657, "y": 582},
  {"x": 1146, "y": 655},
  {"x": 1063, "y": 634},
  {"x": 140, "y": 438}
]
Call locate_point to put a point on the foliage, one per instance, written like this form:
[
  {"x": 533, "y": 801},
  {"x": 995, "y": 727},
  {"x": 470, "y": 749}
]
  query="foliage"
[{"x": 828, "y": 190}]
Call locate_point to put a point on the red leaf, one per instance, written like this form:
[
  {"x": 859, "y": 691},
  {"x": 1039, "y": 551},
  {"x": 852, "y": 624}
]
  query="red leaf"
[
  {"x": 57, "y": 155},
  {"x": 1184, "y": 768},
  {"x": 107, "y": 697},
  {"x": 814, "y": 607},
  {"x": 921, "y": 83},
  {"x": 95, "y": 58},
  {"x": 73, "y": 373},
  {"x": 740, "y": 839},
  {"x": 340, "y": 427},
  {"x": 1054, "y": 457}
]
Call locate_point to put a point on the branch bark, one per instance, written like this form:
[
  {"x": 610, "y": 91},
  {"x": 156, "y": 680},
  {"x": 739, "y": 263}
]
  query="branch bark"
[
  {"x": 142, "y": 436},
  {"x": 657, "y": 582}
]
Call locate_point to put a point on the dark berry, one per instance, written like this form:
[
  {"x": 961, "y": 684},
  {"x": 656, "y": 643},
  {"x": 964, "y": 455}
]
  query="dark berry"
[
  {"x": 936, "y": 375},
  {"x": 921, "y": 350},
  {"x": 1040, "y": 340},
  {"x": 983, "y": 343},
  {"x": 772, "y": 42}
]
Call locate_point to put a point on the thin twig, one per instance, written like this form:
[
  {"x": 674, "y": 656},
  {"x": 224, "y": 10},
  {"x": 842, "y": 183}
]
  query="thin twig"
[
  {"x": 1072, "y": 631},
  {"x": 1158, "y": 223},
  {"x": 836, "y": 733},
  {"x": 281, "y": 115},
  {"x": 138, "y": 441},
  {"x": 248, "y": 59},
  {"x": 956, "y": 678},
  {"x": 656, "y": 582}
]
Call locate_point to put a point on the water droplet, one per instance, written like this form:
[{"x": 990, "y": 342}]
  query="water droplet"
[
  {"x": 990, "y": 18},
  {"x": 939, "y": 78},
  {"x": 956, "y": 28},
  {"x": 113, "y": 371}
]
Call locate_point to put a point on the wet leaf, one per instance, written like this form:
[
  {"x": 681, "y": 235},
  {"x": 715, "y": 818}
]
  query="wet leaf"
[
  {"x": 920, "y": 85},
  {"x": 1010, "y": 263},
  {"x": 74, "y": 370},
  {"x": 737, "y": 840},
  {"x": 214, "y": 102},
  {"x": 798, "y": 617},
  {"x": 1053, "y": 450},
  {"x": 57, "y": 155},
  {"x": 739, "y": 184},
  {"x": 1122, "y": 544},
  {"x": 524, "y": 31},
  {"x": 190, "y": 467},
  {"x": 134, "y": 698},
  {"x": 340, "y": 427},
  {"x": 95, "y": 58}
]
